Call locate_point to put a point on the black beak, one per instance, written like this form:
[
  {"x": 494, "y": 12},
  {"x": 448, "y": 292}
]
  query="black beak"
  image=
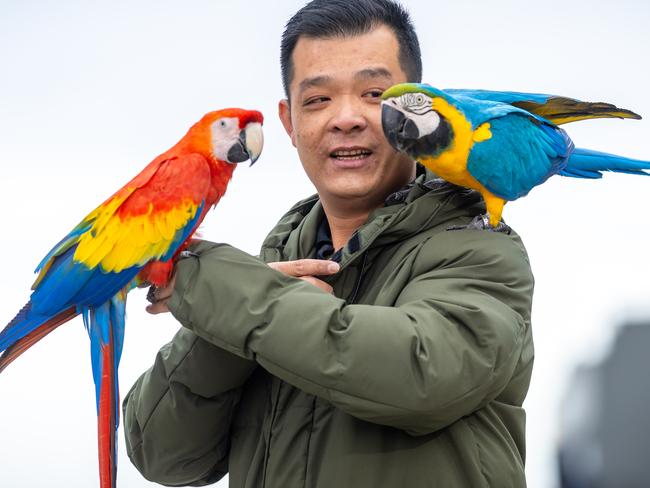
[
  {"x": 400, "y": 131},
  {"x": 238, "y": 153}
]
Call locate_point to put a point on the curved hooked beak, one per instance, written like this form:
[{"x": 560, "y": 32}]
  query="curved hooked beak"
[
  {"x": 400, "y": 131},
  {"x": 249, "y": 144}
]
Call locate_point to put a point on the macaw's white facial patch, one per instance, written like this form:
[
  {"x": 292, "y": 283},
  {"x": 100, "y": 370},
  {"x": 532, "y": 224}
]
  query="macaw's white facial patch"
[
  {"x": 427, "y": 123},
  {"x": 418, "y": 108},
  {"x": 225, "y": 132}
]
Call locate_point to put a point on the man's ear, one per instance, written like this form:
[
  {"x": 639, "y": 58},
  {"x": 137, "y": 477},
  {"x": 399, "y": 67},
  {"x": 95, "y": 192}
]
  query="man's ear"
[{"x": 284, "y": 111}]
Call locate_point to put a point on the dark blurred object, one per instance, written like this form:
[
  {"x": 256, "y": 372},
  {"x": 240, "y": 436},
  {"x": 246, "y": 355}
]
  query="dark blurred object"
[{"x": 605, "y": 422}]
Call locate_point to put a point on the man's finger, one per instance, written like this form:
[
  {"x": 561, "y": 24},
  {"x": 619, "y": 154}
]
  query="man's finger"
[
  {"x": 158, "y": 307},
  {"x": 158, "y": 297},
  {"x": 306, "y": 267},
  {"x": 318, "y": 283},
  {"x": 155, "y": 295}
]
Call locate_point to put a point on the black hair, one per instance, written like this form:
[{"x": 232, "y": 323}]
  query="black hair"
[{"x": 322, "y": 19}]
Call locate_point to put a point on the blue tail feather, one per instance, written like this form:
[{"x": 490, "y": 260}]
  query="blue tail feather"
[
  {"x": 22, "y": 324},
  {"x": 26, "y": 329},
  {"x": 585, "y": 163},
  {"x": 118, "y": 317},
  {"x": 105, "y": 324},
  {"x": 101, "y": 286}
]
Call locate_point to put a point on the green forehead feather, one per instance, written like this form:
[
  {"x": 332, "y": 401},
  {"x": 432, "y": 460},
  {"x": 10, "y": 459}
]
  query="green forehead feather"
[{"x": 399, "y": 90}]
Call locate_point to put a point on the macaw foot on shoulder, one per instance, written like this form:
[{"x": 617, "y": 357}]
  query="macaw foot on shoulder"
[{"x": 482, "y": 222}]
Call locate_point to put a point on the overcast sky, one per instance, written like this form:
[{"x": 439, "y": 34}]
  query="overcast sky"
[{"x": 91, "y": 91}]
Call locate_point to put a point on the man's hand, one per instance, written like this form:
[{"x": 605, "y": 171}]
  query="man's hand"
[
  {"x": 307, "y": 269},
  {"x": 160, "y": 296}
]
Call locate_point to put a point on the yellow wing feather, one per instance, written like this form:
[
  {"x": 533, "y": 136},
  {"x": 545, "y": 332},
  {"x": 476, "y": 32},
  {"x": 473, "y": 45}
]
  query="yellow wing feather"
[
  {"x": 133, "y": 241},
  {"x": 117, "y": 242}
]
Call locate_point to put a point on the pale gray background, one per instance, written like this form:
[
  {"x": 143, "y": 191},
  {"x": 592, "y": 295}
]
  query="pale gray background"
[{"x": 91, "y": 91}]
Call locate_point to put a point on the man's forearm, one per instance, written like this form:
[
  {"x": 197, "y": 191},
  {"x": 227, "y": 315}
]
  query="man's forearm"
[{"x": 450, "y": 343}]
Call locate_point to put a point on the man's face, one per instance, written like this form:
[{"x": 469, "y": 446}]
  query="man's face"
[{"x": 334, "y": 118}]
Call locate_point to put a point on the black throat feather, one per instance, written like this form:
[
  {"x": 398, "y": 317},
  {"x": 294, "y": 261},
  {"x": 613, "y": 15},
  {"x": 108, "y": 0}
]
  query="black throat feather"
[{"x": 434, "y": 143}]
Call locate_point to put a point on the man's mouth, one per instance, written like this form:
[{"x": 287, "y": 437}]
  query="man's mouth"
[{"x": 350, "y": 154}]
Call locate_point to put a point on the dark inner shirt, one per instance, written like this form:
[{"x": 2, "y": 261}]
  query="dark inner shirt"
[{"x": 324, "y": 245}]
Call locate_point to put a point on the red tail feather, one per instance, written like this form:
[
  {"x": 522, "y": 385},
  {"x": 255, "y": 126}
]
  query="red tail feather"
[
  {"x": 36, "y": 335},
  {"x": 107, "y": 420}
]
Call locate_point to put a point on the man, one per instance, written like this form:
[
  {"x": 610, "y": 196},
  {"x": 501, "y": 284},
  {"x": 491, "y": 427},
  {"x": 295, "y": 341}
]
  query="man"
[{"x": 402, "y": 360}]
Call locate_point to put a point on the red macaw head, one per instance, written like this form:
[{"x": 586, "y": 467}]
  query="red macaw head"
[{"x": 232, "y": 135}]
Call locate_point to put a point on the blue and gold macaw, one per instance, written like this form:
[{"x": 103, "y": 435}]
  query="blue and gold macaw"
[{"x": 501, "y": 144}]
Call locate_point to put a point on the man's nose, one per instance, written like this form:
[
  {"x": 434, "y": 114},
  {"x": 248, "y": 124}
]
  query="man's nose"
[{"x": 349, "y": 117}]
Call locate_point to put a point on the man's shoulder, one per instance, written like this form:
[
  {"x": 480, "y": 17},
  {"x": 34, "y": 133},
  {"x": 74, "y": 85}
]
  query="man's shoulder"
[
  {"x": 483, "y": 254},
  {"x": 278, "y": 235},
  {"x": 451, "y": 208}
]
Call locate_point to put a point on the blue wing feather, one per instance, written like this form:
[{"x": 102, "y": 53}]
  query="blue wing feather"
[
  {"x": 477, "y": 110},
  {"x": 480, "y": 111},
  {"x": 67, "y": 283},
  {"x": 554, "y": 108},
  {"x": 500, "y": 96},
  {"x": 64, "y": 244},
  {"x": 521, "y": 154}
]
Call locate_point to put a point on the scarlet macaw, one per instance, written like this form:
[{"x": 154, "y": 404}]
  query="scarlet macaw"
[
  {"x": 501, "y": 144},
  {"x": 130, "y": 239}
]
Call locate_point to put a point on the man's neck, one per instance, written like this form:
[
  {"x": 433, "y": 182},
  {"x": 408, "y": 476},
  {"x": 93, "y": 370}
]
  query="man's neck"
[
  {"x": 343, "y": 226},
  {"x": 345, "y": 216},
  {"x": 344, "y": 222}
]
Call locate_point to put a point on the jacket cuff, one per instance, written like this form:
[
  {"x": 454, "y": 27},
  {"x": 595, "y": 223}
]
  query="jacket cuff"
[{"x": 187, "y": 270}]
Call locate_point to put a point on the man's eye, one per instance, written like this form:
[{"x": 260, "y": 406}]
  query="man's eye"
[
  {"x": 373, "y": 94},
  {"x": 315, "y": 100}
]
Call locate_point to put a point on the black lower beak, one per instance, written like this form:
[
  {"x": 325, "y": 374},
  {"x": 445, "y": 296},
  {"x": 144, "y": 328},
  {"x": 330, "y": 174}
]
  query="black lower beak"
[
  {"x": 240, "y": 152},
  {"x": 237, "y": 153},
  {"x": 400, "y": 131}
]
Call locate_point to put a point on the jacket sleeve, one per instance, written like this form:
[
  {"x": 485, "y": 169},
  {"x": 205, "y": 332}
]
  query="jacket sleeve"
[
  {"x": 450, "y": 344},
  {"x": 177, "y": 415}
]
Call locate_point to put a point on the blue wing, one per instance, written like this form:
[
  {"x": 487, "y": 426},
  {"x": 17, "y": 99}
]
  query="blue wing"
[
  {"x": 521, "y": 154},
  {"x": 554, "y": 108},
  {"x": 500, "y": 96},
  {"x": 479, "y": 111}
]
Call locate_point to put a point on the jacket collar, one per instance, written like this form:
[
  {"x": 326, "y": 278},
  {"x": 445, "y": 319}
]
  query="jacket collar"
[{"x": 424, "y": 203}]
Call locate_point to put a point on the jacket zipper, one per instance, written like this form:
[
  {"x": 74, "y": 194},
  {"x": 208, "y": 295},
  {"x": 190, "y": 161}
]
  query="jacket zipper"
[{"x": 276, "y": 397}]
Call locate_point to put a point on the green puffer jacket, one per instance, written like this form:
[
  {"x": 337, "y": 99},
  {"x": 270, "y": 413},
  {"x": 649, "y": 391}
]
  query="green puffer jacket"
[{"x": 412, "y": 375}]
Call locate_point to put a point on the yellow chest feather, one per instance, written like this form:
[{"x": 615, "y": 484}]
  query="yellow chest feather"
[{"x": 451, "y": 163}]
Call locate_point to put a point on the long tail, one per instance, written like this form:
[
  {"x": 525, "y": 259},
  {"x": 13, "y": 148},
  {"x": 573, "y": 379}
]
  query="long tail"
[
  {"x": 26, "y": 329},
  {"x": 585, "y": 163},
  {"x": 105, "y": 325}
]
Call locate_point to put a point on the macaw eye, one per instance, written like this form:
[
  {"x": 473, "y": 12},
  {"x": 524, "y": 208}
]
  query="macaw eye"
[
  {"x": 223, "y": 123},
  {"x": 419, "y": 99}
]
